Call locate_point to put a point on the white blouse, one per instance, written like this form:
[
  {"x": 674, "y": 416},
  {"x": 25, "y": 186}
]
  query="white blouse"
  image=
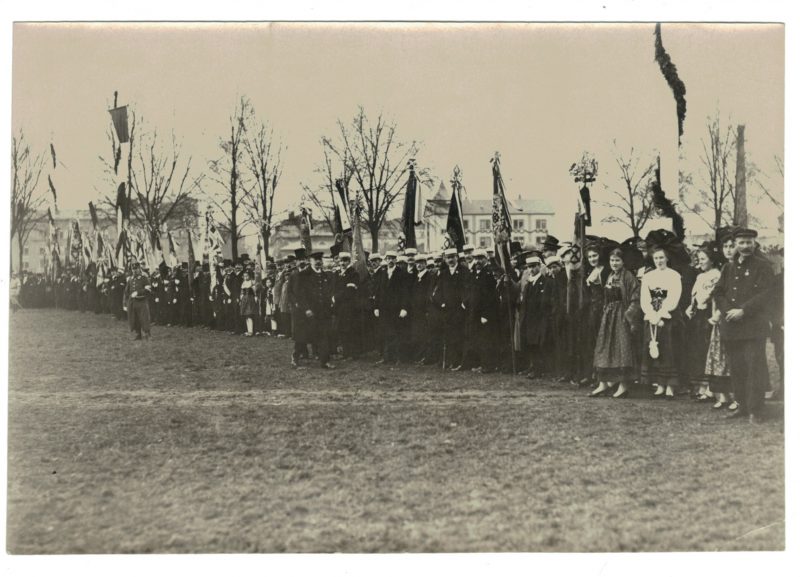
[
  {"x": 703, "y": 287},
  {"x": 666, "y": 280}
]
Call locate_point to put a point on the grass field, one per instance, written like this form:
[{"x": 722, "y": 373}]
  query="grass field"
[{"x": 204, "y": 442}]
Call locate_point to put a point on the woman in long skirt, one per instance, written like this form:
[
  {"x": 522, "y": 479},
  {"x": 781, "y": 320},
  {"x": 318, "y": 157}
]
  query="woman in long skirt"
[
  {"x": 248, "y": 308},
  {"x": 659, "y": 297},
  {"x": 595, "y": 281},
  {"x": 717, "y": 368},
  {"x": 699, "y": 328},
  {"x": 614, "y": 353}
]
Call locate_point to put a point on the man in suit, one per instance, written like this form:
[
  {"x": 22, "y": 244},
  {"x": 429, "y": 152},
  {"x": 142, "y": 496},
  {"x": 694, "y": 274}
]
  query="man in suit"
[
  {"x": 743, "y": 296},
  {"x": 348, "y": 306},
  {"x": 313, "y": 298},
  {"x": 448, "y": 302},
  {"x": 392, "y": 304},
  {"x": 480, "y": 352},
  {"x": 537, "y": 309},
  {"x": 136, "y": 293},
  {"x": 423, "y": 347}
]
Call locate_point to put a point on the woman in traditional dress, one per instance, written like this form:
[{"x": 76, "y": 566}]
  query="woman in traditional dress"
[
  {"x": 717, "y": 368},
  {"x": 248, "y": 308},
  {"x": 659, "y": 297},
  {"x": 614, "y": 357},
  {"x": 595, "y": 281}
]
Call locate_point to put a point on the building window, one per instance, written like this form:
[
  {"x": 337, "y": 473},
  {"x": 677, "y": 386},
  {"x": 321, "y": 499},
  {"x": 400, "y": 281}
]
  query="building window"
[
  {"x": 25, "y": 265},
  {"x": 466, "y": 224},
  {"x": 484, "y": 241},
  {"x": 519, "y": 224},
  {"x": 540, "y": 240},
  {"x": 519, "y": 238},
  {"x": 25, "y": 251},
  {"x": 486, "y": 224},
  {"x": 541, "y": 224}
]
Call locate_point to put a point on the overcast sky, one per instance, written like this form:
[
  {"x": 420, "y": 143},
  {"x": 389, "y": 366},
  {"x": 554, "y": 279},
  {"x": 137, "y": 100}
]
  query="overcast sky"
[{"x": 538, "y": 94}]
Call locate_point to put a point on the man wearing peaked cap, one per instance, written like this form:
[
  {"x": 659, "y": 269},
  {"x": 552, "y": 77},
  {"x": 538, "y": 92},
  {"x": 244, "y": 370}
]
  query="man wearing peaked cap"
[
  {"x": 347, "y": 307},
  {"x": 535, "y": 314},
  {"x": 411, "y": 252},
  {"x": 481, "y": 316},
  {"x": 421, "y": 279},
  {"x": 742, "y": 295},
  {"x": 448, "y": 302}
]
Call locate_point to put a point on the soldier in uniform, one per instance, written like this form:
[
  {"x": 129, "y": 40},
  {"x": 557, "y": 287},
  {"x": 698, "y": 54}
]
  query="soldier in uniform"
[
  {"x": 136, "y": 293},
  {"x": 742, "y": 295},
  {"x": 313, "y": 298}
]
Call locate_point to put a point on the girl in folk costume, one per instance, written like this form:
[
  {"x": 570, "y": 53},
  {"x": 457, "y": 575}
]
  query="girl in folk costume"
[
  {"x": 659, "y": 297},
  {"x": 699, "y": 314},
  {"x": 717, "y": 369},
  {"x": 614, "y": 353},
  {"x": 248, "y": 308}
]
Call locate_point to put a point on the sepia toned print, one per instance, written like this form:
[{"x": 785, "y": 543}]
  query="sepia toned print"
[{"x": 396, "y": 287}]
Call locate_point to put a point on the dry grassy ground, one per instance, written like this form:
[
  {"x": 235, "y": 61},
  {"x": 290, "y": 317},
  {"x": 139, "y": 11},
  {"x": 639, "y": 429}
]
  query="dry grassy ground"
[{"x": 205, "y": 442}]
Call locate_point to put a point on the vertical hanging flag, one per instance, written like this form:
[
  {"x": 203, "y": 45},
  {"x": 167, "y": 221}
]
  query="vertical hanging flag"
[
  {"x": 119, "y": 116},
  {"x": 410, "y": 208},
  {"x": 359, "y": 256},
  {"x": 455, "y": 236},
  {"x": 501, "y": 219},
  {"x": 52, "y": 190},
  {"x": 306, "y": 225},
  {"x": 670, "y": 73},
  {"x": 342, "y": 206},
  {"x": 173, "y": 254}
]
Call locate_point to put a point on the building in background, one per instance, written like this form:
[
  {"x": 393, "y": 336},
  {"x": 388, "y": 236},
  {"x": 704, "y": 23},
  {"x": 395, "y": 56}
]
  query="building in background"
[{"x": 530, "y": 219}]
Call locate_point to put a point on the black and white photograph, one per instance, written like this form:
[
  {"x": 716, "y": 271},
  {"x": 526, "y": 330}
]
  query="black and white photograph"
[{"x": 396, "y": 287}]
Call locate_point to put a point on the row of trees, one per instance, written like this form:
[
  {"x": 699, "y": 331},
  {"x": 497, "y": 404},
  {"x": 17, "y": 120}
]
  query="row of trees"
[
  {"x": 367, "y": 156},
  {"x": 712, "y": 198}
]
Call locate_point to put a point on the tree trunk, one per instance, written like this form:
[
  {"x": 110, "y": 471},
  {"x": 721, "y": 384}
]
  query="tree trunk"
[
  {"x": 373, "y": 232},
  {"x": 21, "y": 250}
]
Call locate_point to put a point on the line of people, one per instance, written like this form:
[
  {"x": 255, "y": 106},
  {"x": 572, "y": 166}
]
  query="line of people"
[{"x": 607, "y": 314}]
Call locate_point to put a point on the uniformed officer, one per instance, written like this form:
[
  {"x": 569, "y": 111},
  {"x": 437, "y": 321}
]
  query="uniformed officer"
[
  {"x": 742, "y": 296},
  {"x": 348, "y": 306},
  {"x": 392, "y": 304},
  {"x": 313, "y": 296},
  {"x": 137, "y": 291}
]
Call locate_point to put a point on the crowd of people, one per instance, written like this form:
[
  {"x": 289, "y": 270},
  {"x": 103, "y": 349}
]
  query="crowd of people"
[{"x": 603, "y": 315}]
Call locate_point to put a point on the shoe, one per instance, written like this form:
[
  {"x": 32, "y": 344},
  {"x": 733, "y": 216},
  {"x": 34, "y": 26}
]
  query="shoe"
[
  {"x": 294, "y": 361},
  {"x": 718, "y": 405},
  {"x": 622, "y": 395},
  {"x": 733, "y": 406},
  {"x": 659, "y": 395},
  {"x": 603, "y": 393},
  {"x": 477, "y": 369},
  {"x": 327, "y": 366},
  {"x": 380, "y": 362},
  {"x": 455, "y": 369}
]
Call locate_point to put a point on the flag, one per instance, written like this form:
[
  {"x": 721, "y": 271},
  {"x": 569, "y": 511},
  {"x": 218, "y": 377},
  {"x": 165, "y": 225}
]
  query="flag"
[
  {"x": 122, "y": 249},
  {"x": 101, "y": 275},
  {"x": 455, "y": 217},
  {"x": 359, "y": 256},
  {"x": 410, "y": 209},
  {"x": 214, "y": 239},
  {"x": 190, "y": 250},
  {"x": 306, "y": 225},
  {"x": 670, "y": 73},
  {"x": 173, "y": 255},
  {"x": 119, "y": 116},
  {"x": 53, "y": 154},
  {"x": 501, "y": 219},
  {"x": 53, "y": 190},
  {"x": 342, "y": 207},
  {"x": 585, "y": 205}
]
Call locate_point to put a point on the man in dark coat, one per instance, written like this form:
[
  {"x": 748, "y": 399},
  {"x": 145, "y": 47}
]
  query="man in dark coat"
[
  {"x": 348, "y": 307},
  {"x": 297, "y": 314},
  {"x": 392, "y": 304},
  {"x": 448, "y": 302},
  {"x": 313, "y": 299},
  {"x": 536, "y": 312},
  {"x": 136, "y": 293},
  {"x": 481, "y": 317},
  {"x": 743, "y": 296},
  {"x": 423, "y": 346}
]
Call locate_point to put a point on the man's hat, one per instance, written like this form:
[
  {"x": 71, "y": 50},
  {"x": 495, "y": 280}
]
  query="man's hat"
[
  {"x": 480, "y": 252},
  {"x": 402, "y": 258},
  {"x": 411, "y": 252},
  {"x": 420, "y": 258},
  {"x": 290, "y": 258},
  {"x": 375, "y": 256},
  {"x": 391, "y": 253},
  {"x": 533, "y": 259},
  {"x": 345, "y": 255},
  {"x": 468, "y": 248},
  {"x": 300, "y": 253},
  {"x": 550, "y": 243},
  {"x": 744, "y": 233},
  {"x": 335, "y": 249},
  {"x": 450, "y": 252},
  {"x": 316, "y": 256}
]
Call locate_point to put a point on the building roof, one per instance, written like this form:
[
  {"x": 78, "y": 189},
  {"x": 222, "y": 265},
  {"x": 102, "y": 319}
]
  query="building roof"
[{"x": 484, "y": 205}]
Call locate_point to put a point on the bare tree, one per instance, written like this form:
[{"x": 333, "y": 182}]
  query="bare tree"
[
  {"x": 263, "y": 163},
  {"x": 25, "y": 202},
  {"x": 769, "y": 189},
  {"x": 226, "y": 172},
  {"x": 714, "y": 199},
  {"x": 321, "y": 196},
  {"x": 377, "y": 160},
  {"x": 161, "y": 183},
  {"x": 634, "y": 203}
]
